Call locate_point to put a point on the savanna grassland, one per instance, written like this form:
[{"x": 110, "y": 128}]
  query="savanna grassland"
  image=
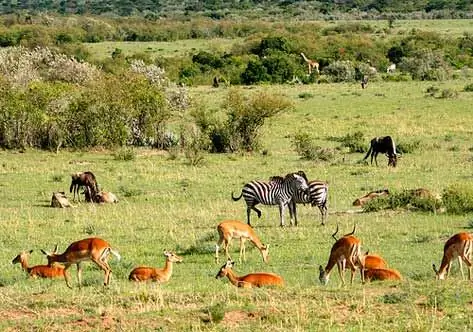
[{"x": 166, "y": 203}]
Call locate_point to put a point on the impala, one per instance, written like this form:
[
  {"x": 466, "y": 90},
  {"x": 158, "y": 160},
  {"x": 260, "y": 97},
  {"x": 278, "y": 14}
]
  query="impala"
[
  {"x": 382, "y": 274},
  {"x": 345, "y": 251},
  {"x": 258, "y": 279},
  {"x": 143, "y": 273},
  {"x": 459, "y": 245},
  {"x": 233, "y": 229},
  {"x": 93, "y": 249},
  {"x": 42, "y": 271}
]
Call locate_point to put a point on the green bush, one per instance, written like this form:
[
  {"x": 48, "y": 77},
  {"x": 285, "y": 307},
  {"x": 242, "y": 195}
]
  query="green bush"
[
  {"x": 468, "y": 88},
  {"x": 354, "y": 142},
  {"x": 125, "y": 154},
  {"x": 340, "y": 71},
  {"x": 403, "y": 200},
  {"x": 307, "y": 149},
  {"x": 408, "y": 146},
  {"x": 458, "y": 199}
]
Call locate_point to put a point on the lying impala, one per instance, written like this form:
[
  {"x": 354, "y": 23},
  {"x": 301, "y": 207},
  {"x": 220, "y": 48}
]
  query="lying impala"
[
  {"x": 382, "y": 274},
  {"x": 233, "y": 229},
  {"x": 93, "y": 249},
  {"x": 42, "y": 271},
  {"x": 258, "y": 279},
  {"x": 345, "y": 250},
  {"x": 459, "y": 245},
  {"x": 143, "y": 273}
]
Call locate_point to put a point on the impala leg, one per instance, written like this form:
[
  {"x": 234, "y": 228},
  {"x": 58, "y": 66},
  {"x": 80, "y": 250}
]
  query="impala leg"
[
  {"x": 217, "y": 248},
  {"x": 66, "y": 276},
  {"x": 242, "y": 249},
  {"x": 469, "y": 264},
  {"x": 226, "y": 246},
  {"x": 341, "y": 269},
  {"x": 79, "y": 274},
  {"x": 106, "y": 268}
]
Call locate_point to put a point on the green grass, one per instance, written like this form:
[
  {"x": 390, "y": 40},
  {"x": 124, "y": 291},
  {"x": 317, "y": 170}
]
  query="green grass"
[
  {"x": 167, "y": 204},
  {"x": 178, "y": 48}
]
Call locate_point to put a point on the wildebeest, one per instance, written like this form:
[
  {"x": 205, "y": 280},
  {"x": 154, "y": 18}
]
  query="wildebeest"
[
  {"x": 80, "y": 179},
  {"x": 382, "y": 145},
  {"x": 364, "y": 81},
  {"x": 370, "y": 196}
]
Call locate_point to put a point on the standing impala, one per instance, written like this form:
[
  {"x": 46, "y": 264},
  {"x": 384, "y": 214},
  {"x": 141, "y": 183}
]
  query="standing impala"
[
  {"x": 42, "y": 271},
  {"x": 258, "y": 279},
  {"x": 345, "y": 251},
  {"x": 230, "y": 229},
  {"x": 93, "y": 249},
  {"x": 143, "y": 273},
  {"x": 459, "y": 245}
]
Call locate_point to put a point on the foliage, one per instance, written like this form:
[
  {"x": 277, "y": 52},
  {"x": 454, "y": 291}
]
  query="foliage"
[
  {"x": 458, "y": 199},
  {"x": 307, "y": 149},
  {"x": 125, "y": 154},
  {"x": 354, "y": 142},
  {"x": 340, "y": 71},
  {"x": 247, "y": 114},
  {"x": 404, "y": 199}
]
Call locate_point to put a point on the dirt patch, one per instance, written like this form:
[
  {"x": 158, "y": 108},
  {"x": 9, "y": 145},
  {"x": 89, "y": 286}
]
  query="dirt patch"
[{"x": 235, "y": 318}]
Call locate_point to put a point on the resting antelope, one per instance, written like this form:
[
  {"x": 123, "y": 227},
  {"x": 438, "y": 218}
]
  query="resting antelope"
[
  {"x": 94, "y": 249},
  {"x": 230, "y": 229},
  {"x": 345, "y": 251},
  {"x": 42, "y": 271},
  {"x": 143, "y": 273},
  {"x": 459, "y": 245},
  {"x": 258, "y": 279},
  {"x": 105, "y": 197},
  {"x": 382, "y": 274}
]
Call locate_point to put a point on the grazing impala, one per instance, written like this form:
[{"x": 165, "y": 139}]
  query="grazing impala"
[
  {"x": 345, "y": 251},
  {"x": 232, "y": 229},
  {"x": 459, "y": 245},
  {"x": 382, "y": 274},
  {"x": 42, "y": 271},
  {"x": 143, "y": 273},
  {"x": 94, "y": 249},
  {"x": 258, "y": 279}
]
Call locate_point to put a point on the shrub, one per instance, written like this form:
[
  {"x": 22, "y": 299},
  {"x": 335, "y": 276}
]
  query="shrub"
[
  {"x": 426, "y": 65},
  {"x": 458, "y": 199},
  {"x": 273, "y": 44},
  {"x": 125, "y": 154},
  {"x": 408, "y": 147},
  {"x": 255, "y": 72},
  {"x": 405, "y": 200},
  {"x": 340, "y": 71},
  {"x": 307, "y": 149},
  {"x": 354, "y": 142},
  {"x": 468, "y": 88}
]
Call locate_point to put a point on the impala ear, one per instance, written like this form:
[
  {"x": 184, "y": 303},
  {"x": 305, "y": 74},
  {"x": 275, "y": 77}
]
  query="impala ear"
[
  {"x": 30, "y": 251},
  {"x": 44, "y": 252},
  {"x": 435, "y": 269},
  {"x": 55, "y": 249}
]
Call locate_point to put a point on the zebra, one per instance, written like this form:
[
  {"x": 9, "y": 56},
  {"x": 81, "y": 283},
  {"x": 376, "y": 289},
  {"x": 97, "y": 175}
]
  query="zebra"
[
  {"x": 316, "y": 196},
  {"x": 278, "y": 191}
]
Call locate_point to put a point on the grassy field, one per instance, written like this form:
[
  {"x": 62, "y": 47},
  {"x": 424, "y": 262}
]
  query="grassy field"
[{"x": 167, "y": 204}]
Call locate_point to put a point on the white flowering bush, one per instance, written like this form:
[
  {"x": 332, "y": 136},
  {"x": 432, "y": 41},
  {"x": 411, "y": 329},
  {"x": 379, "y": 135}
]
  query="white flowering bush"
[{"x": 21, "y": 66}]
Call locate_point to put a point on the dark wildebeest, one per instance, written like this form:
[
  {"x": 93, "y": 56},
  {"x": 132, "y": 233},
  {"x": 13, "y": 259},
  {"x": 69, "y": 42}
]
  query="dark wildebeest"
[
  {"x": 80, "y": 179},
  {"x": 382, "y": 145}
]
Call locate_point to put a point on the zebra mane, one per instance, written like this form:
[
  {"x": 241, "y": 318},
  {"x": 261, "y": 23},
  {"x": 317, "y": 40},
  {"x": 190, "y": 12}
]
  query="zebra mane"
[
  {"x": 276, "y": 178},
  {"x": 302, "y": 173}
]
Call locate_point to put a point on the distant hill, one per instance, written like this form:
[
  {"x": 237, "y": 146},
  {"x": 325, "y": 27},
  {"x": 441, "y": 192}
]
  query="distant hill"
[{"x": 221, "y": 8}]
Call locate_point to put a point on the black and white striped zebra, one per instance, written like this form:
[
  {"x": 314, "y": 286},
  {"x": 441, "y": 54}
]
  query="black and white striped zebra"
[
  {"x": 275, "y": 192},
  {"x": 316, "y": 196}
]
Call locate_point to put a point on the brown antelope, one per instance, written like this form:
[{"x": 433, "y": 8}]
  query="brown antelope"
[
  {"x": 382, "y": 274},
  {"x": 42, "y": 271},
  {"x": 345, "y": 251},
  {"x": 232, "y": 229},
  {"x": 258, "y": 279},
  {"x": 143, "y": 273},
  {"x": 373, "y": 261},
  {"x": 459, "y": 245},
  {"x": 94, "y": 249},
  {"x": 105, "y": 197}
]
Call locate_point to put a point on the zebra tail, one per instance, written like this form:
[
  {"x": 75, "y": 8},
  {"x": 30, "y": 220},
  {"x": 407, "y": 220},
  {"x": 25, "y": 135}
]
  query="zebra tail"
[{"x": 237, "y": 198}]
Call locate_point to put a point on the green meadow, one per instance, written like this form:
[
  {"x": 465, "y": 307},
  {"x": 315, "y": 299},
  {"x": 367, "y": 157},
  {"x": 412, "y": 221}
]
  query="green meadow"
[{"x": 166, "y": 203}]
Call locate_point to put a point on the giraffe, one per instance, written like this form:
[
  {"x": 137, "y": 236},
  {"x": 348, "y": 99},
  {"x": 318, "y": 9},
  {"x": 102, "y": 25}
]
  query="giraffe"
[{"x": 311, "y": 64}]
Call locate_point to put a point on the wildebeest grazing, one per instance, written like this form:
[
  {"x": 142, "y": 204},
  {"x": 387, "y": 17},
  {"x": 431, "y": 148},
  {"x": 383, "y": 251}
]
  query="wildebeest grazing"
[
  {"x": 382, "y": 145},
  {"x": 80, "y": 179}
]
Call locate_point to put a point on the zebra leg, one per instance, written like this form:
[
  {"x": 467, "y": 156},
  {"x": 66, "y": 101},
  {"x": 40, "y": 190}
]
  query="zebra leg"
[
  {"x": 282, "y": 208},
  {"x": 292, "y": 212},
  {"x": 323, "y": 212}
]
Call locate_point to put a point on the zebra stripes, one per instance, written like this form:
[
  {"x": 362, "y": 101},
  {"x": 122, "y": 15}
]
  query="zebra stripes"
[
  {"x": 317, "y": 196},
  {"x": 278, "y": 191}
]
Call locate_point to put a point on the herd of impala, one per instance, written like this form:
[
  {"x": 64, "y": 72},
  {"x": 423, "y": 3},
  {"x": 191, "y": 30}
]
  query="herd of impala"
[{"x": 345, "y": 253}]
